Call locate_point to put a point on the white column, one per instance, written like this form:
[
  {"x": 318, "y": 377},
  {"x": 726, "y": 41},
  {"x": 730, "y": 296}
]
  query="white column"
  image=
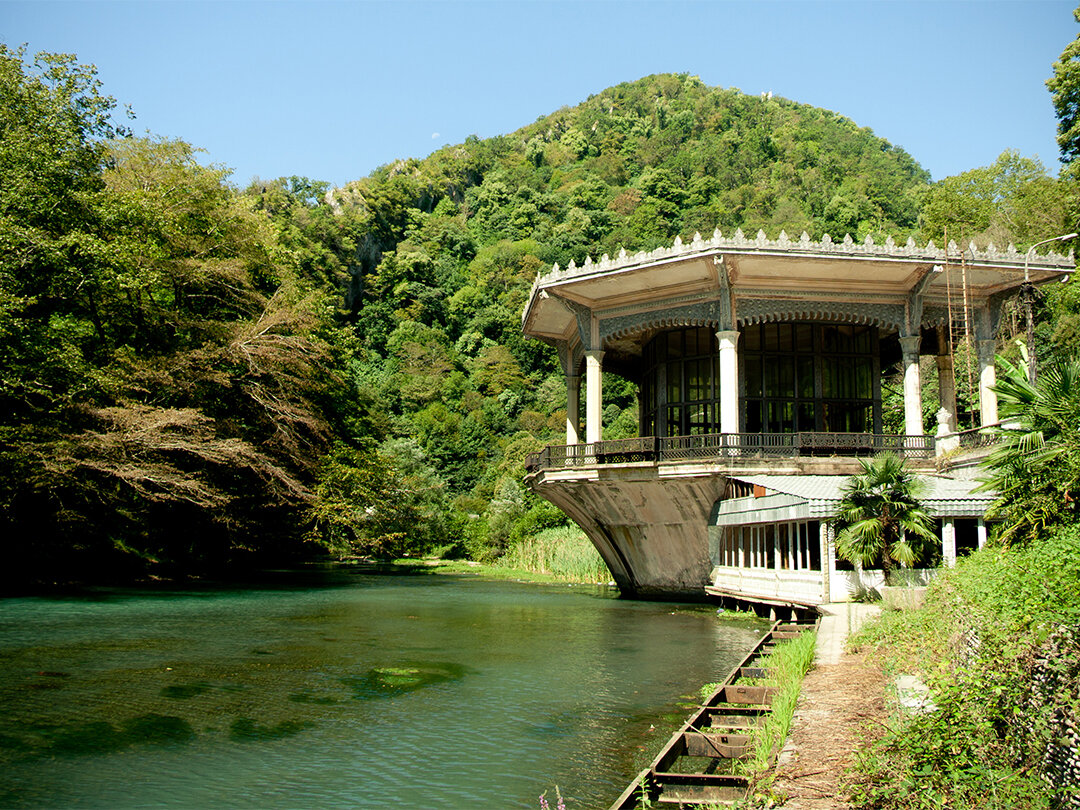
[
  {"x": 729, "y": 381},
  {"x": 828, "y": 563},
  {"x": 573, "y": 406},
  {"x": 594, "y": 402},
  {"x": 948, "y": 542},
  {"x": 947, "y": 390},
  {"x": 988, "y": 412},
  {"x": 913, "y": 425},
  {"x": 980, "y": 529}
]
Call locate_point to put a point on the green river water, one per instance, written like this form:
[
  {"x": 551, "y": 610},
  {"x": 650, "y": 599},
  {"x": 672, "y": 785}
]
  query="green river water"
[{"x": 345, "y": 689}]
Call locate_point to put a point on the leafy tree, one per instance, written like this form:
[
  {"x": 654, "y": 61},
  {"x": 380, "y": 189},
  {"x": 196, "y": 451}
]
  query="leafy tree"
[
  {"x": 1012, "y": 201},
  {"x": 879, "y": 518},
  {"x": 1065, "y": 91},
  {"x": 359, "y": 509},
  {"x": 1035, "y": 469}
]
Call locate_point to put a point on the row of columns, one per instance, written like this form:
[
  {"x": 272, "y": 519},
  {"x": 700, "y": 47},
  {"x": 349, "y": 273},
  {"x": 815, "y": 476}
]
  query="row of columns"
[
  {"x": 988, "y": 412},
  {"x": 729, "y": 388}
]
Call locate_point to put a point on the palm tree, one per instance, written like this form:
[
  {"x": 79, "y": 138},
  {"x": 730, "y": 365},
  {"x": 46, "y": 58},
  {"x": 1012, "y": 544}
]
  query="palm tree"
[
  {"x": 1035, "y": 468},
  {"x": 880, "y": 518}
]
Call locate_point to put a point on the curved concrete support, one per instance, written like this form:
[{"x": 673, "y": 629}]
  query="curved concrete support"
[{"x": 650, "y": 528}]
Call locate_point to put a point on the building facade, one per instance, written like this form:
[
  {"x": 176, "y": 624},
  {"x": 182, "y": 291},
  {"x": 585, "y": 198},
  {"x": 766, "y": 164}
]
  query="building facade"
[{"x": 761, "y": 360}]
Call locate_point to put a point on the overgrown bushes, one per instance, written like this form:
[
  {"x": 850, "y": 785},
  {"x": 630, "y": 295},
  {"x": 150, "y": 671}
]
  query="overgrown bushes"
[{"x": 994, "y": 643}]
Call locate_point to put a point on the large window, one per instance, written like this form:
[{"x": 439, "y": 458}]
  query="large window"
[
  {"x": 793, "y": 546},
  {"x": 810, "y": 376},
  {"x": 680, "y": 391},
  {"x": 795, "y": 377}
]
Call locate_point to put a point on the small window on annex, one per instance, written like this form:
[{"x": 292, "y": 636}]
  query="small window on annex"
[
  {"x": 680, "y": 392},
  {"x": 810, "y": 377}
]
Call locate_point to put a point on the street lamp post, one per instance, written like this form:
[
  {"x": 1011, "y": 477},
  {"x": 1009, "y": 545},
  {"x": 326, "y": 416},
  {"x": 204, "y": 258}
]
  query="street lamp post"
[{"x": 1027, "y": 295}]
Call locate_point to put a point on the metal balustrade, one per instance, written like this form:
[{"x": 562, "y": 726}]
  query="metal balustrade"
[
  {"x": 728, "y": 446},
  {"x": 979, "y": 437}
]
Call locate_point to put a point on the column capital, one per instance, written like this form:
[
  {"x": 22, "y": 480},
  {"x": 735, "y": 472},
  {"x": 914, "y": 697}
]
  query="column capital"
[
  {"x": 595, "y": 354},
  {"x": 909, "y": 344}
]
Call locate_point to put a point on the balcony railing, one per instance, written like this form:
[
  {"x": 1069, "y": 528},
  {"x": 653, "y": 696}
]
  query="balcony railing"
[
  {"x": 979, "y": 437},
  {"x": 728, "y": 446}
]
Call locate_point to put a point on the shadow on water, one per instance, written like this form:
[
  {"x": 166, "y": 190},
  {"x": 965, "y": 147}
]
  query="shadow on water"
[
  {"x": 97, "y": 736},
  {"x": 285, "y": 580}
]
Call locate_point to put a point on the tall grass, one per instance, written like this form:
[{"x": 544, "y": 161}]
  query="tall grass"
[
  {"x": 563, "y": 552},
  {"x": 786, "y": 665}
]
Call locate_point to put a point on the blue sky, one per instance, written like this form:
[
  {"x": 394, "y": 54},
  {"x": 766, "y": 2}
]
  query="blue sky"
[{"x": 331, "y": 90}]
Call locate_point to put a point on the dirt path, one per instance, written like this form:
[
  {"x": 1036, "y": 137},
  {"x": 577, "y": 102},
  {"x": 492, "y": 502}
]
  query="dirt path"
[{"x": 839, "y": 705}]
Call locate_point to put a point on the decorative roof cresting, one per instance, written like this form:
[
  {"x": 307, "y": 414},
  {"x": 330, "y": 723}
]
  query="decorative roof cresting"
[{"x": 784, "y": 244}]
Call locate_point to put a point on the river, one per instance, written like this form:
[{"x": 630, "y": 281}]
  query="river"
[{"x": 345, "y": 689}]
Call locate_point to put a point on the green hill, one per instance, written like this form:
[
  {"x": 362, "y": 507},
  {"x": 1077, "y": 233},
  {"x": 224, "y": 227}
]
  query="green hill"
[{"x": 195, "y": 378}]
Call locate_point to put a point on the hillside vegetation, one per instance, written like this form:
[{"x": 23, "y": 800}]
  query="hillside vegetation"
[{"x": 195, "y": 377}]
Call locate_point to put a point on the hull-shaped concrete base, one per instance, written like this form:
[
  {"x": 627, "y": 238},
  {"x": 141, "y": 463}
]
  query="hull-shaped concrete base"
[{"x": 649, "y": 523}]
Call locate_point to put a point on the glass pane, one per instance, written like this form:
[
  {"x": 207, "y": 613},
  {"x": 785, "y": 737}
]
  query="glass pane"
[
  {"x": 784, "y": 337},
  {"x": 806, "y": 376},
  {"x": 771, "y": 374},
  {"x": 828, "y": 339},
  {"x": 753, "y": 377},
  {"x": 751, "y": 338},
  {"x": 786, "y": 374},
  {"x": 675, "y": 344},
  {"x": 753, "y": 416},
  {"x": 807, "y": 416},
  {"x": 694, "y": 344},
  {"x": 770, "y": 341},
  {"x": 813, "y": 542},
  {"x": 864, "y": 382},
  {"x": 697, "y": 381},
  {"x": 674, "y": 382},
  {"x": 804, "y": 337},
  {"x": 863, "y": 342}
]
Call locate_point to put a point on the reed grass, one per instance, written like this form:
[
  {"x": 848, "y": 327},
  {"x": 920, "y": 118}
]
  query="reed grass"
[
  {"x": 787, "y": 665},
  {"x": 563, "y": 552}
]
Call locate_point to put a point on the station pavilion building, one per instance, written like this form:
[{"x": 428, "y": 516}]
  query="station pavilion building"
[{"x": 759, "y": 370}]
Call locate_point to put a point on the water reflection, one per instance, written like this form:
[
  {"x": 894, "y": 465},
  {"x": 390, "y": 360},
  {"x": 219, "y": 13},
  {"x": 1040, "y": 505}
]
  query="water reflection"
[{"x": 356, "y": 690}]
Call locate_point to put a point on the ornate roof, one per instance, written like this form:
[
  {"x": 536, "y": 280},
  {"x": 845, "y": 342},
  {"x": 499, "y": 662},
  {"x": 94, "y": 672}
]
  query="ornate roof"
[{"x": 783, "y": 244}]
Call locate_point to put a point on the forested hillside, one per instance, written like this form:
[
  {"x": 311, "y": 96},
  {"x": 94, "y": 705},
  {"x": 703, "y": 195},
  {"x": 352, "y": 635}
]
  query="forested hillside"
[{"x": 195, "y": 376}]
